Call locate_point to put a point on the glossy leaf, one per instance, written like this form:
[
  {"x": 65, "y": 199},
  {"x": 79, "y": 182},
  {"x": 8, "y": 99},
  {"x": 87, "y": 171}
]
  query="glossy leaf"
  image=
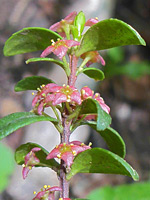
[
  {"x": 31, "y": 83},
  {"x": 112, "y": 139},
  {"x": 99, "y": 160},
  {"x": 45, "y": 59},
  {"x": 29, "y": 40},
  {"x": 24, "y": 149},
  {"x": 94, "y": 73},
  {"x": 91, "y": 106},
  {"x": 107, "y": 34},
  {"x": 12, "y": 122}
]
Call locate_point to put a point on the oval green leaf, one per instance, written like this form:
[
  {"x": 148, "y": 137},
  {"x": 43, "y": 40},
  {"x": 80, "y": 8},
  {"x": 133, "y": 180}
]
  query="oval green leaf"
[
  {"x": 45, "y": 59},
  {"x": 12, "y": 122},
  {"x": 99, "y": 160},
  {"x": 112, "y": 139},
  {"x": 31, "y": 83},
  {"x": 107, "y": 34},
  {"x": 94, "y": 73},
  {"x": 24, "y": 149},
  {"x": 29, "y": 40},
  {"x": 91, "y": 106}
]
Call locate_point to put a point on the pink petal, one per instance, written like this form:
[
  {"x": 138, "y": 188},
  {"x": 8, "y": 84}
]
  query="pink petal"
[
  {"x": 60, "y": 51},
  {"x": 75, "y": 97},
  {"x": 91, "y": 22},
  {"x": 59, "y": 98},
  {"x": 53, "y": 154},
  {"x": 25, "y": 172},
  {"x": 47, "y": 51},
  {"x": 35, "y": 100},
  {"x": 55, "y": 26},
  {"x": 71, "y": 16},
  {"x": 86, "y": 92},
  {"x": 67, "y": 157},
  {"x": 40, "y": 108},
  {"x": 72, "y": 43},
  {"x": 91, "y": 117}
]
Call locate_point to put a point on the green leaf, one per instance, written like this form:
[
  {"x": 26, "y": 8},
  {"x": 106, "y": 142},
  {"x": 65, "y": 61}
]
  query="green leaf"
[
  {"x": 99, "y": 160},
  {"x": 6, "y": 165},
  {"x": 79, "y": 23},
  {"x": 12, "y": 122},
  {"x": 107, "y": 34},
  {"x": 112, "y": 139},
  {"x": 91, "y": 106},
  {"x": 31, "y": 83},
  {"x": 28, "y": 40},
  {"x": 140, "y": 191},
  {"x": 94, "y": 73},
  {"x": 45, "y": 59},
  {"x": 24, "y": 149}
]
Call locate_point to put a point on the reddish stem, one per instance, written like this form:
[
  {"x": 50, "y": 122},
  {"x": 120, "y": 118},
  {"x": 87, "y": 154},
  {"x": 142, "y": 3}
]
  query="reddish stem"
[{"x": 64, "y": 184}]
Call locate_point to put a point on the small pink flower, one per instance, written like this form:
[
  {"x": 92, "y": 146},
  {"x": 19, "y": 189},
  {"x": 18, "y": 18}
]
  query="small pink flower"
[
  {"x": 60, "y": 26},
  {"x": 102, "y": 103},
  {"x": 59, "y": 48},
  {"x": 47, "y": 194},
  {"x": 86, "y": 93},
  {"x": 66, "y": 94},
  {"x": 91, "y": 22},
  {"x": 93, "y": 57},
  {"x": 30, "y": 161},
  {"x": 67, "y": 152}
]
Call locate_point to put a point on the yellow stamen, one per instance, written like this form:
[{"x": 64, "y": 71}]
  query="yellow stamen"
[
  {"x": 71, "y": 144},
  {"x": 60, "y": 198},
  {"x": 64, "y": 144},
  {"x": 96, "y": 17},
  {"x": 96, "y": 94},
  {"x": 74, "y": 153},
  {"x": 30, "y": 167},
  {"x": 58, "y": 39},
  {"x": 64, "y": 85},
  {"x": 23, "y": 165},
  {"x": 90, "y": 144},
  {"x": 59, "y": 156},
  {"x": 48, "y": 186},
  {"x": 34, "y": 192},
  {"x": 82, "y": 144},
  {"x": 38, "y": 89},
  {"x": 67, "y": 86},
  {"x": 56, "y": 146},
  {"x": 33, "y": 93},
  {"x": 45, "y": 186}
]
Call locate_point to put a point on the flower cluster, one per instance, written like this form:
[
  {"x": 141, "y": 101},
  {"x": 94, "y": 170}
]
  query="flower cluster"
[
  {"x": 67, "y": 152},
  {"x": 52, "y": 95}
]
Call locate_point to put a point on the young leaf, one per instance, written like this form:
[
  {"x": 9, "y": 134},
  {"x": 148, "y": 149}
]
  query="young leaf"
[
  {"x": 99, "y": 160},
  {"x": 31, "y": 83},
  {"x": 45, "y": 59},
  {"x": 91, "y": 106},
  {"x": 28, "y": 40},
  {"x": 24, "y": 149},
  {"x": 79, "y": 23},
  {"x": 112, "y": 139},
  {"x": 12, "y": 122},
  {"x": 107, "y": 34},
  {"x": 94, "y": 73}
]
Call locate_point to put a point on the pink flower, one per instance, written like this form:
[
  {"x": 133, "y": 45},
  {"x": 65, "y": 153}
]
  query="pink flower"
[
  {"x": 92, "y": 21},
  {"x": 59, "y": 48},
  {"x": 52, "y": 95},
  {"x": 86, "y": 93},
  {"x": 30, "y": 161},
  {"x": 64, "y": 199},
  {"x": 47, "y": 194},
  {"x": 92, "y": 57},
  {"x": 60, "y": 26},
  {"x": 67, "y": 152},
  {"x": 66, "y": 94}
]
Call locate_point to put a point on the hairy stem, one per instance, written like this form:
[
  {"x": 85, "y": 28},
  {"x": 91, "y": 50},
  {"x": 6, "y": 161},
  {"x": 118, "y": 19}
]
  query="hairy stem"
[{"x": 73, "y": 67}]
